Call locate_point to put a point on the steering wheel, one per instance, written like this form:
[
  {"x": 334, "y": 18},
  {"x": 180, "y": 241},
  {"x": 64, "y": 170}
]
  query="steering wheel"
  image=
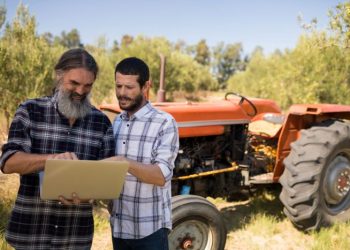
[{"x": 243, "y": 98}]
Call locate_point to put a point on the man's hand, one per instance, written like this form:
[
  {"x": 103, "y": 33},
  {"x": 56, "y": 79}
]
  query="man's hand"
[
  {"x": 75, "y": 200},
  {"x": 63, "y": 156}
]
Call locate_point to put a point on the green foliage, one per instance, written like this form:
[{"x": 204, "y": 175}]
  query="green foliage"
[
  {"x": 315, "y": 71},
  {"x": 69, "y": 40},
  {"x": 103, "y": 89},
  {"x": 182, "y": 71},
  {"x": 126, "y": 40},
  {"x": 2, "y": 15},
  {"x": 202, "y": 55},
  {"x": 227, "y": 61},
  {"x": 340, "y": 23},
  {"x": 27, "y": 63}
]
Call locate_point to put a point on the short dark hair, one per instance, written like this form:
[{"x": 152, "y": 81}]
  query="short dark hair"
[
  {"x": 77, "y": 58},
  {"x": 133, "y": 66}
]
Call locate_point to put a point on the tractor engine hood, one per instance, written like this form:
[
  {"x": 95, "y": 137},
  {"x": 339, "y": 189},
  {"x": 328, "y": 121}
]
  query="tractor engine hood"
[{"x": 207, "y": 118}]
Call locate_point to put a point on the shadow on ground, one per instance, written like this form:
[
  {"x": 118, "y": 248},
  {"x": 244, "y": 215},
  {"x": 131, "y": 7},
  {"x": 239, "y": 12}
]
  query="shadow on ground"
[{"x": 264, "y": 200}]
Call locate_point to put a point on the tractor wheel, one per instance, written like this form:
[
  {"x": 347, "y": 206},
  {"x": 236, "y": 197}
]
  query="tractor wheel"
[
  {"x": 197, "y": 224},
  {"x": 316, "y": 178}
]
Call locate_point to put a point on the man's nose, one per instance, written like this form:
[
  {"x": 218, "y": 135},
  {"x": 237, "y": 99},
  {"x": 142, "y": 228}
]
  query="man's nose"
[
  {"x": 121, "y": 91},
  {"x": 80, "y": 90}
]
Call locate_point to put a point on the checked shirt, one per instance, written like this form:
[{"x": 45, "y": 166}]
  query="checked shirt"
[
  {"x": 39, "y": 128},
  {"x": 150, "y": 136}
]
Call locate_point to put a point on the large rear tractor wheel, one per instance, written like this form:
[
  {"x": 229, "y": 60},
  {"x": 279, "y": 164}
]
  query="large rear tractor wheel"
[
  {"x": 316, "y": 178},
  {"x": 197, "y": 224}
]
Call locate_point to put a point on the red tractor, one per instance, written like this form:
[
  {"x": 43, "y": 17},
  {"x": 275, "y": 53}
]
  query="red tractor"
[{"x": 236, "y": 143}]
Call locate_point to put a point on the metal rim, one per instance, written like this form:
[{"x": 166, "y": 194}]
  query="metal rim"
[
  {"x": 337, "y": 184},
  {"x": 191, "y": 234}
]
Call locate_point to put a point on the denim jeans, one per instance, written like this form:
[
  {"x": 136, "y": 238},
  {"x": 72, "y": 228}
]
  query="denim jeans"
[{"x": 155, "y": 241}]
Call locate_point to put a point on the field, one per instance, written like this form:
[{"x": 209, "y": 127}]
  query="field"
[{"x": 254, "y": 224}]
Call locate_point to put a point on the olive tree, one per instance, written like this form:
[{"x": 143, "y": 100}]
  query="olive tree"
[{"x": 27, "y": 63}]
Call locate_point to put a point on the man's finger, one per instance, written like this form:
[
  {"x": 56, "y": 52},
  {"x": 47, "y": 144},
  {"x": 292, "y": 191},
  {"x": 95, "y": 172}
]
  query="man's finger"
[
  {"x": 75, "y": 199},
  {"x": 65, "y": 201},
  {"x": 74, "y": 156}
]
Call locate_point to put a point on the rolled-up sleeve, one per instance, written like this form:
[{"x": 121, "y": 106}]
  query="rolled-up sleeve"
[
  {"x": 167, "y": 148},
  {"x": 19, "y": 137}
]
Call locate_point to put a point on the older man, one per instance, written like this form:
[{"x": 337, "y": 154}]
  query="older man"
[{"x": 62, "y": 126}]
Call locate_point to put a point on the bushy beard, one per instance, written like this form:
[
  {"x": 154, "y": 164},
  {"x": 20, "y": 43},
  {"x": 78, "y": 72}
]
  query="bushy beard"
[
  {"x": 70, "y": 108},
  {"x": 135, "y": 104}
]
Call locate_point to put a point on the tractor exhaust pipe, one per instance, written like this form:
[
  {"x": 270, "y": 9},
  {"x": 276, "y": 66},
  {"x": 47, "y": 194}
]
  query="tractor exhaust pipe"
[{"x": 161, "y": 90}]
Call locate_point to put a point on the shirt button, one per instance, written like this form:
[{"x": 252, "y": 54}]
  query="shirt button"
[
  {"x": 127, "y": 125},
  {"x": 59, "y": 203},
  {"x": 56, "y": 226},
  {"x": 123, "y": 142}
]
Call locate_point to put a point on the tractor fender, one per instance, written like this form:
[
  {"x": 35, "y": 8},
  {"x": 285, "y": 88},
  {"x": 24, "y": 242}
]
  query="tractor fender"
[{"x": 299, "y": 117}]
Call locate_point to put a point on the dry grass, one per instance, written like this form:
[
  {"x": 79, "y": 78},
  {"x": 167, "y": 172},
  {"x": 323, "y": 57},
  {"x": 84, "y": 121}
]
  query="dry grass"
[
  {"x": 259, "y": 224},
  {"x": 254, "y": 224}
]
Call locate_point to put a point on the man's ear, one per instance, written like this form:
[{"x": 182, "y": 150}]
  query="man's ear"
[{"x": 146, "y": 88}]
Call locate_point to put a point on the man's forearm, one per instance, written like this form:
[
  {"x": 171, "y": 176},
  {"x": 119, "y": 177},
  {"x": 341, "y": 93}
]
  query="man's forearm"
[
  {"x": 24, "y": 163},
  {"x": 149, "y": 174}
]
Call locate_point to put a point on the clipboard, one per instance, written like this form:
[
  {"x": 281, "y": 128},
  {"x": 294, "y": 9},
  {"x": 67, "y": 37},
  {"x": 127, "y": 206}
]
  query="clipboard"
[{"x": 88, "y": 179}]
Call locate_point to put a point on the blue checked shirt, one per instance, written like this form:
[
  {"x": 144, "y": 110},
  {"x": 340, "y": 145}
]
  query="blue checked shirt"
[
  {"x": 150, "y": 136},
  {"x": 39, "y": 128}
]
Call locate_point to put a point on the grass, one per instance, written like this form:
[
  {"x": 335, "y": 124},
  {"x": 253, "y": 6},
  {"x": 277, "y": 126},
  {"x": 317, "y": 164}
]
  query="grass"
[
  {"x": 8, "y": 189},
  {"x": 336, "y": 237},
  {"x": 254, "y": 224},
  {"x": 259, "y": 224}
]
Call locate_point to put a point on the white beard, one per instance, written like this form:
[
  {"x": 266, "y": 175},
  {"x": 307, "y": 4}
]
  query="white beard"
[{"x": 72, "y": 109}]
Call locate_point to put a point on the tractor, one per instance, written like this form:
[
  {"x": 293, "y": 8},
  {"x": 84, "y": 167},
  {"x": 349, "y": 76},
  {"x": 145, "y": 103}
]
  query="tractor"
[{"x": 238, "y": 142}]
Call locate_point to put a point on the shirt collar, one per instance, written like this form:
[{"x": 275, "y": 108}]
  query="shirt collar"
[{"x": 140, "y": 113}]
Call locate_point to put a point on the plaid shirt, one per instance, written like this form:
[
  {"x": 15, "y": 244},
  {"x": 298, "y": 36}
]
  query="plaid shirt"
[
  {"x": 150, "y": 136},
  {"x": 39, "y": 128}
]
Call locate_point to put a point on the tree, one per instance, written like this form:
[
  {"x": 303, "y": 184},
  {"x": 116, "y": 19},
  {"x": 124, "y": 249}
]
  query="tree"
[
  {"x": 202, "y": 55},
  {"x": 2, "y": 15},
  {"x": 126, "y": 40},
  {"x": 315, "y": 71},
  {"x": 48, "y": 37},
  {"x": 182, "y": 71},
  {"x": 340, "y": 23},
  {"x": 69, "y": 40},
  {"x": 227, "y": 61},
  {"x": 27, "y": 63},
  {"x": 103, "y": 89},
  {"x": 115, "y": 46}
]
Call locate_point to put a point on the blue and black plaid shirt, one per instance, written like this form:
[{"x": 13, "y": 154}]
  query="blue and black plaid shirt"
[{"x": 39, "y": 128}]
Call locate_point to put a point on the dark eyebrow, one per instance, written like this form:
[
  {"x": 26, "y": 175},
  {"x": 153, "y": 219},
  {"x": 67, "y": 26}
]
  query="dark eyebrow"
[{"x": 75, "y": 82}]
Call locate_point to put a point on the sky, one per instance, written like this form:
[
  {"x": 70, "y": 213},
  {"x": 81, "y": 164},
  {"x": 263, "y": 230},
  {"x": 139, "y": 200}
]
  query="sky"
[{"x": 270, "y": 24}]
